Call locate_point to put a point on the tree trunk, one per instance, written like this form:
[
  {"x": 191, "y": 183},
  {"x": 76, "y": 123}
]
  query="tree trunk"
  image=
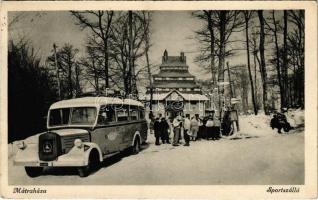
[
  {"x": 248, "y": 60},
  {"x": 229, "y": 76},
  {"x": 212, "y": 38},
  {"x": 78, "y": 88},
  {"x": 263, "y": 64},
  {"x": 106, "y": 63},
  {"x": 147, "y": 45},
  {"x": 221, "y": 56},
  {"x": 281, "y": 90},
  {"x": 70, "y": 84},
  {"x": 131, "y": 67},
  {"x": 95, "y": 76},
  {"x": 285, "y": 64},
  {"x": 255, "y": 83}
]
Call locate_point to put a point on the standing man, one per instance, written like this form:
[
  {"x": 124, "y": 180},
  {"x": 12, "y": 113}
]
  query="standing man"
[
  {"x": 164, "y": 126},
  {"x": 186, "y": 126},
  {"x": 177, "y": 123},
  {"x": 156, "y": 128}
]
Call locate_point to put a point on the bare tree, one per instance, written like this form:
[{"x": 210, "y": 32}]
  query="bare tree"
[
  {"x": 285, "y": 62},
  {"x": 66, "y": 60},
  {"x": 262, "y": 60},
  {"x": 99, "y": 22},
  {"x": 275, "y": 28},
  {"x": 146, "y": 23},
  {"x": 296, "y": 48},
  {"x": 206, "y": 37},
  {"x": 247, "y": 17},
  {"x": 215, "y": 38},
  {"x": 128, "y": 46}
]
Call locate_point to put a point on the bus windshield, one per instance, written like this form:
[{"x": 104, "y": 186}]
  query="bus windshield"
[{"x": 72, "y": 116}]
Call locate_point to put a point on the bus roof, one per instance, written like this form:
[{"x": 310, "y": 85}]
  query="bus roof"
[{"x": 94, "y": 102}]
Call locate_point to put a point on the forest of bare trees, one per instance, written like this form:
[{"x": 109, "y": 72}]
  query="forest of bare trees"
[
  {"x": 274, "y": 52},
  {"x": 116, "y": 55}
]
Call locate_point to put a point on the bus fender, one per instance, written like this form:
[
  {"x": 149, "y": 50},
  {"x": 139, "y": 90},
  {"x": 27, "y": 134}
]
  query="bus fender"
[
  {"x": 135, "y": 135},
  {"x": 90, "y": 147}
]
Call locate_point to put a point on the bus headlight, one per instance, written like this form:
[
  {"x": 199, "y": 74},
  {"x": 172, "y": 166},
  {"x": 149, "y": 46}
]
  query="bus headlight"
[
  {"x": 21, "y": 145},
  {"x": 78, "y": 143}
]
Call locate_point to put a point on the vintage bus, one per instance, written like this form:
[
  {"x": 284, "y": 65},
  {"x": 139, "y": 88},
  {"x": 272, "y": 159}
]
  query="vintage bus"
[{"x": 82, "y": 132}]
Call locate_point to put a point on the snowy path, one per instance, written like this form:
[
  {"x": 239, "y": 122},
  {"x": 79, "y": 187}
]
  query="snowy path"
[{"x": 271, "y": 159}]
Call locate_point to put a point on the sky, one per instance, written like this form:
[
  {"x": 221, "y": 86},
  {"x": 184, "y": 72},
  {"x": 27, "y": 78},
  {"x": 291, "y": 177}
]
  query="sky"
[{"x": 171, "y": 30}]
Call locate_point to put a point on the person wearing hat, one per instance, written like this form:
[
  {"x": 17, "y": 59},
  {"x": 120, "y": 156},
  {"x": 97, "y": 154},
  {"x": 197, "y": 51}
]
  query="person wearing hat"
[
  {"x": 164, "y": 126},
  {"x": 156, "y": 128},
  {"x": 209, "y": 128},
  {"x": 177, "y": 124},
  {"x": 186, "y": 126}
]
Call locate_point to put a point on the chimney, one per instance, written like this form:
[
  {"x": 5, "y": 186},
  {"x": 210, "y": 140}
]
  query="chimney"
[
  {"x": 165, "y": 56},
  {"x": 182, "y": 56}
]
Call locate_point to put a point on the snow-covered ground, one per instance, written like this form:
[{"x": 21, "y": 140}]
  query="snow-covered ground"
[{"x": 255, "y": 155}]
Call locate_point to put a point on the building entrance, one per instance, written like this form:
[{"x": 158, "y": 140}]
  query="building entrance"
[{"x": 174, "y": 108}]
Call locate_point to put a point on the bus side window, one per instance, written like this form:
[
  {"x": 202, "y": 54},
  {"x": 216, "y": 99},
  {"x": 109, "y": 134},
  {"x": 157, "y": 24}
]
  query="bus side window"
[
  {"x": 106, "y": 114},
  {"x": 102, "y": 116},
  {"x": 122, "y": 113},
  {"x": 141, "y": 114},
  {"x": 133, "y": 113},
  {"x": 110, "y": 113}
]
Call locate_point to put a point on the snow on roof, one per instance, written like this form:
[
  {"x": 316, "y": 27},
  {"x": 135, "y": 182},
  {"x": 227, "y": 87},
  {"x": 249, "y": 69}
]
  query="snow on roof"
[
  {"x": 194, "y": 97},
  {"x": 94, "y": 102},
  {"x": 187, "y": 97}
]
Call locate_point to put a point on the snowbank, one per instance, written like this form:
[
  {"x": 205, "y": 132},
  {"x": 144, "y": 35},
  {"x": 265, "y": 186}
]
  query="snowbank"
[
  {"x": 259, "y": 125},
  {"x": 296, "y": 117},
  {"x": 255, "y": 126}
]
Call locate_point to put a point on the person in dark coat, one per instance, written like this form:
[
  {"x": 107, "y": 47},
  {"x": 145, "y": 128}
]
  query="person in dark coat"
[
  {"x": 156, "y": 128},
  {"x": 279, "y": 121},
  {"x": 200, "y": 131},
  {"x": 164, "y": 126},
  {"x": 226, "y": 125},
  {"x": 209, "y": 128}
]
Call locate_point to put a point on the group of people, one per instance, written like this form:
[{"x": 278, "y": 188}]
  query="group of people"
[{"x": 189, "y": 128}]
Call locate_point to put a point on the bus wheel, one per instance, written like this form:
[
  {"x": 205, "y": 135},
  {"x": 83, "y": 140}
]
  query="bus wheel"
[
  {"x": 136, "y": 147},
  {"x": 33, "y": 171},
  {"x": 93, "y": 165}
]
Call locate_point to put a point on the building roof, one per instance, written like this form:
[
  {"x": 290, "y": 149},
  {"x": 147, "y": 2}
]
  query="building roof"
[
  {"x": 94, "y": 102},
  {"x": 173, "y": 74},
  {"x": 187, "y": 97},
  {"x": 175, "y": 84}
]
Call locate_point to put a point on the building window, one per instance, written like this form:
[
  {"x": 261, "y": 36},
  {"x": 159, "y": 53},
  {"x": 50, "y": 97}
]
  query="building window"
[
  {"x": 180, "y": 78},
  {"x": 189, "y": 79},
  {"x": 158, "y": 78},
  {"x": 188, "y": 89},
  {"x": 168, "y": 79}
]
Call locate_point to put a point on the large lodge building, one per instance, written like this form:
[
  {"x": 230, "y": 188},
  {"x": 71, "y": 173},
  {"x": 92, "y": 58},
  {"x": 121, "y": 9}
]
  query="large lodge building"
[{"x": 175, "y": 90}]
